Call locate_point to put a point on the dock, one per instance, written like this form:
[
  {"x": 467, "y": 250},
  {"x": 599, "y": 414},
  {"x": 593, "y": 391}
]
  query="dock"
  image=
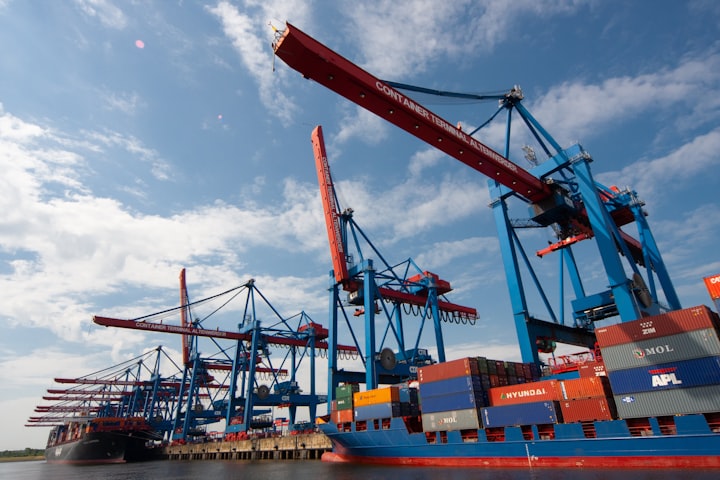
[{"x": 290, "y": 447}]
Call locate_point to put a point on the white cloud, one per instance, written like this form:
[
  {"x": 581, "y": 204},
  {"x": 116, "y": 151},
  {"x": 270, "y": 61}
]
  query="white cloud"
[
  {"x": 654, "y": 179},
  {"x": 245, "y": 31},
  {"x": 578, "y": 110},
  {"x": 399, "y": 39},
  {"x": 104, "y": 11},
  {"x": 126, "y": 102}
]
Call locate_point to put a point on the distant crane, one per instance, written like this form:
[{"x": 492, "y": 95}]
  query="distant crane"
[
  {"x": 131, "y": 389},
  {"x": 245, "y": 362},
  {"x": 560, "y": 193}
]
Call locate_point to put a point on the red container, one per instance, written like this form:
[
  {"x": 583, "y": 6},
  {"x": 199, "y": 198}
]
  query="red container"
[
  {"x": 671, "y": 323},
  {"x": 590, "y": 387},
  {"x": 592, "y": 369},
  {"x": 547, "y": 390},
  {"x": 342, "y": 416},
  {"x": 587, "y": 410},
  {"x": 451, "y": 369},
  {"x": 713, "y": 285}
]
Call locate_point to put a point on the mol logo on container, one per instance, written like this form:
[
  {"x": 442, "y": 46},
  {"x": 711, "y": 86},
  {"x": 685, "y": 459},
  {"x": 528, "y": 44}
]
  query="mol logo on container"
[
  {"x": 657, "y": 350},
  {"x": 447, "y": 420},
  {"x": 663, "y": 377}
]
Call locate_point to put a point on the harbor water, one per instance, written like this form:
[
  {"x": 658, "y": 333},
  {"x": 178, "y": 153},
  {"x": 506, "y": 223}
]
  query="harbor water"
[{"x": 313, "y": 470}]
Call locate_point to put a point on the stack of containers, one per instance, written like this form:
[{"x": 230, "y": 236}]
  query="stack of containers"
[
  {"x": 586, "y": 399},
  {"x": 451, "y": 394},
  {"x": 523, "y": 404},
  {"x": 342, "y": 407},
  {"x": 549, "y": 401},
  {"x": 495, "y": 373},
  {"x": 377, "y": 403},
  {"x": 664, "y": 365}
]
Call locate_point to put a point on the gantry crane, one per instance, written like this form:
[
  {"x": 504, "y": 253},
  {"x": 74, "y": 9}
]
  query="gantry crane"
[
  {"x": 560, "y": 193},
  {"x": 245, "y": 363},
  {"x": 134, "y": 389},
  {"x": 391, "y": 292}
]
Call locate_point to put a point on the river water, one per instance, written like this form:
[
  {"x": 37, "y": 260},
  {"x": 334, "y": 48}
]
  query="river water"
[{"x": 315, "y": 470}]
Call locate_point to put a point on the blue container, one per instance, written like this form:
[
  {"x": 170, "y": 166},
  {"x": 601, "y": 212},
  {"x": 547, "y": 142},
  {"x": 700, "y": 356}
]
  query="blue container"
[
  {"x": 452, "y": 401},
  {"x": 407, "y": 394},
  {"x": 697, "y": 372},
  {"x": 451, "y": 385},
  {"x": 379, "y": 410},
  {"x": 534, "y": 413}
]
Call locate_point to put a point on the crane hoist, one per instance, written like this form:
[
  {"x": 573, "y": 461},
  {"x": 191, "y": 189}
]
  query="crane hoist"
[{"x": 559, "y": 192}]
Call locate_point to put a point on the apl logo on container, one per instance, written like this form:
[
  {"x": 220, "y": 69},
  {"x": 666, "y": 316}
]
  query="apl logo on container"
[
  {"x": 663, "y": 377},
  {"x": 657, "y": 350}
]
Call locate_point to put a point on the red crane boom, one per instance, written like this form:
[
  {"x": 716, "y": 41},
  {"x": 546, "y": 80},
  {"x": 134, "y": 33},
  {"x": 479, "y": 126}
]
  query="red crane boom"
[
  {"x": 201, "y": 332},
  {"x": 332, "y": 215},
  {"x": 314, "y": 60}
]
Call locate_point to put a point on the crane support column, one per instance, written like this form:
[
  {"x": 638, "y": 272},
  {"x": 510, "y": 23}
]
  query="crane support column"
[
  {"x": 601, "y": 224},
  {"x": 371, "y": 381}
]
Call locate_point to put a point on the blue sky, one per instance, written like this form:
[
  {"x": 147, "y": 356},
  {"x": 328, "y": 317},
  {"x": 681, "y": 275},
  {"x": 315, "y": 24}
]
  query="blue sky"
[{"x": 121, "y": 165}]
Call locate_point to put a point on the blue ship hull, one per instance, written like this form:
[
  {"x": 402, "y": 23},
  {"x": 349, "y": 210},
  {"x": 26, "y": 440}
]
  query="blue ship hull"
[{"x": 693, "y": 445}]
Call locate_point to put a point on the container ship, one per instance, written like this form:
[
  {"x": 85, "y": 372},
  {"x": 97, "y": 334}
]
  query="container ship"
[
  {"x": 649, "y": 399},
  {"x": 117, "y": 415},
  {"x": 101, "y": 440}
]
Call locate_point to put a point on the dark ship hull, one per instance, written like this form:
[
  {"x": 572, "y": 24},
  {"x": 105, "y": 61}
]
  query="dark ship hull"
[{"x": 99, "y": 447}]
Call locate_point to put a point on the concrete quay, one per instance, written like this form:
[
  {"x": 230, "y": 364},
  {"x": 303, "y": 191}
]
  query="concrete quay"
[{"x": 291, "y": 447}]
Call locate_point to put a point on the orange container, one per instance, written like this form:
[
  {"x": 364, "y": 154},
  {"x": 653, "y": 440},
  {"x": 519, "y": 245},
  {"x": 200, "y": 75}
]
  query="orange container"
[
  {"x": 378, "y": 395},
  {"x": 546, "y": 390},
  {"x": 341, "y": 416},
  {"x": 450, "y": 369},
  {"x": 590, "y": 387},
  {"x": 587, "y": 410},
  {"x": 592, "y": 369}
]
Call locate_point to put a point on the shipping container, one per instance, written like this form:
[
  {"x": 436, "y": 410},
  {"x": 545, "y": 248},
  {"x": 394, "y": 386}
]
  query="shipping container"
[
  {"x": 346, "y": 390},
  {"x": 591, "y": 387},
  {"x": 587, "y": 410},
  {"x": 407, "y": 394},
  {"x": 533, "y": 413},
  {"x": 669, "y": 402},
  {"x": 482, "y": 365},
  {"x": 684, "y": 374},
  {"x": 342, "y": 416},
  {"x": 377, "y": 395},
  {"x": 546, "y": 390},
  {"x": 670, "y": 323},
  {"x": 452, "y": 401},
  {"x": 449, "y": 369},
  {"x": 344, "y": 403},
  {"x": 713, "y": 286},
  {"x": 451, "y": 385},
  {"x": 592, "y": 369},
  {"x": 377, "y": 410},
  {"x": 449, "y": 421},
  {"x": 671, "y": 348}
]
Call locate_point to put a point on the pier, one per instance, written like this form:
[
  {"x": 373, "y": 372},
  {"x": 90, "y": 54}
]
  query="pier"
[{"x": 292, "y": 447}]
